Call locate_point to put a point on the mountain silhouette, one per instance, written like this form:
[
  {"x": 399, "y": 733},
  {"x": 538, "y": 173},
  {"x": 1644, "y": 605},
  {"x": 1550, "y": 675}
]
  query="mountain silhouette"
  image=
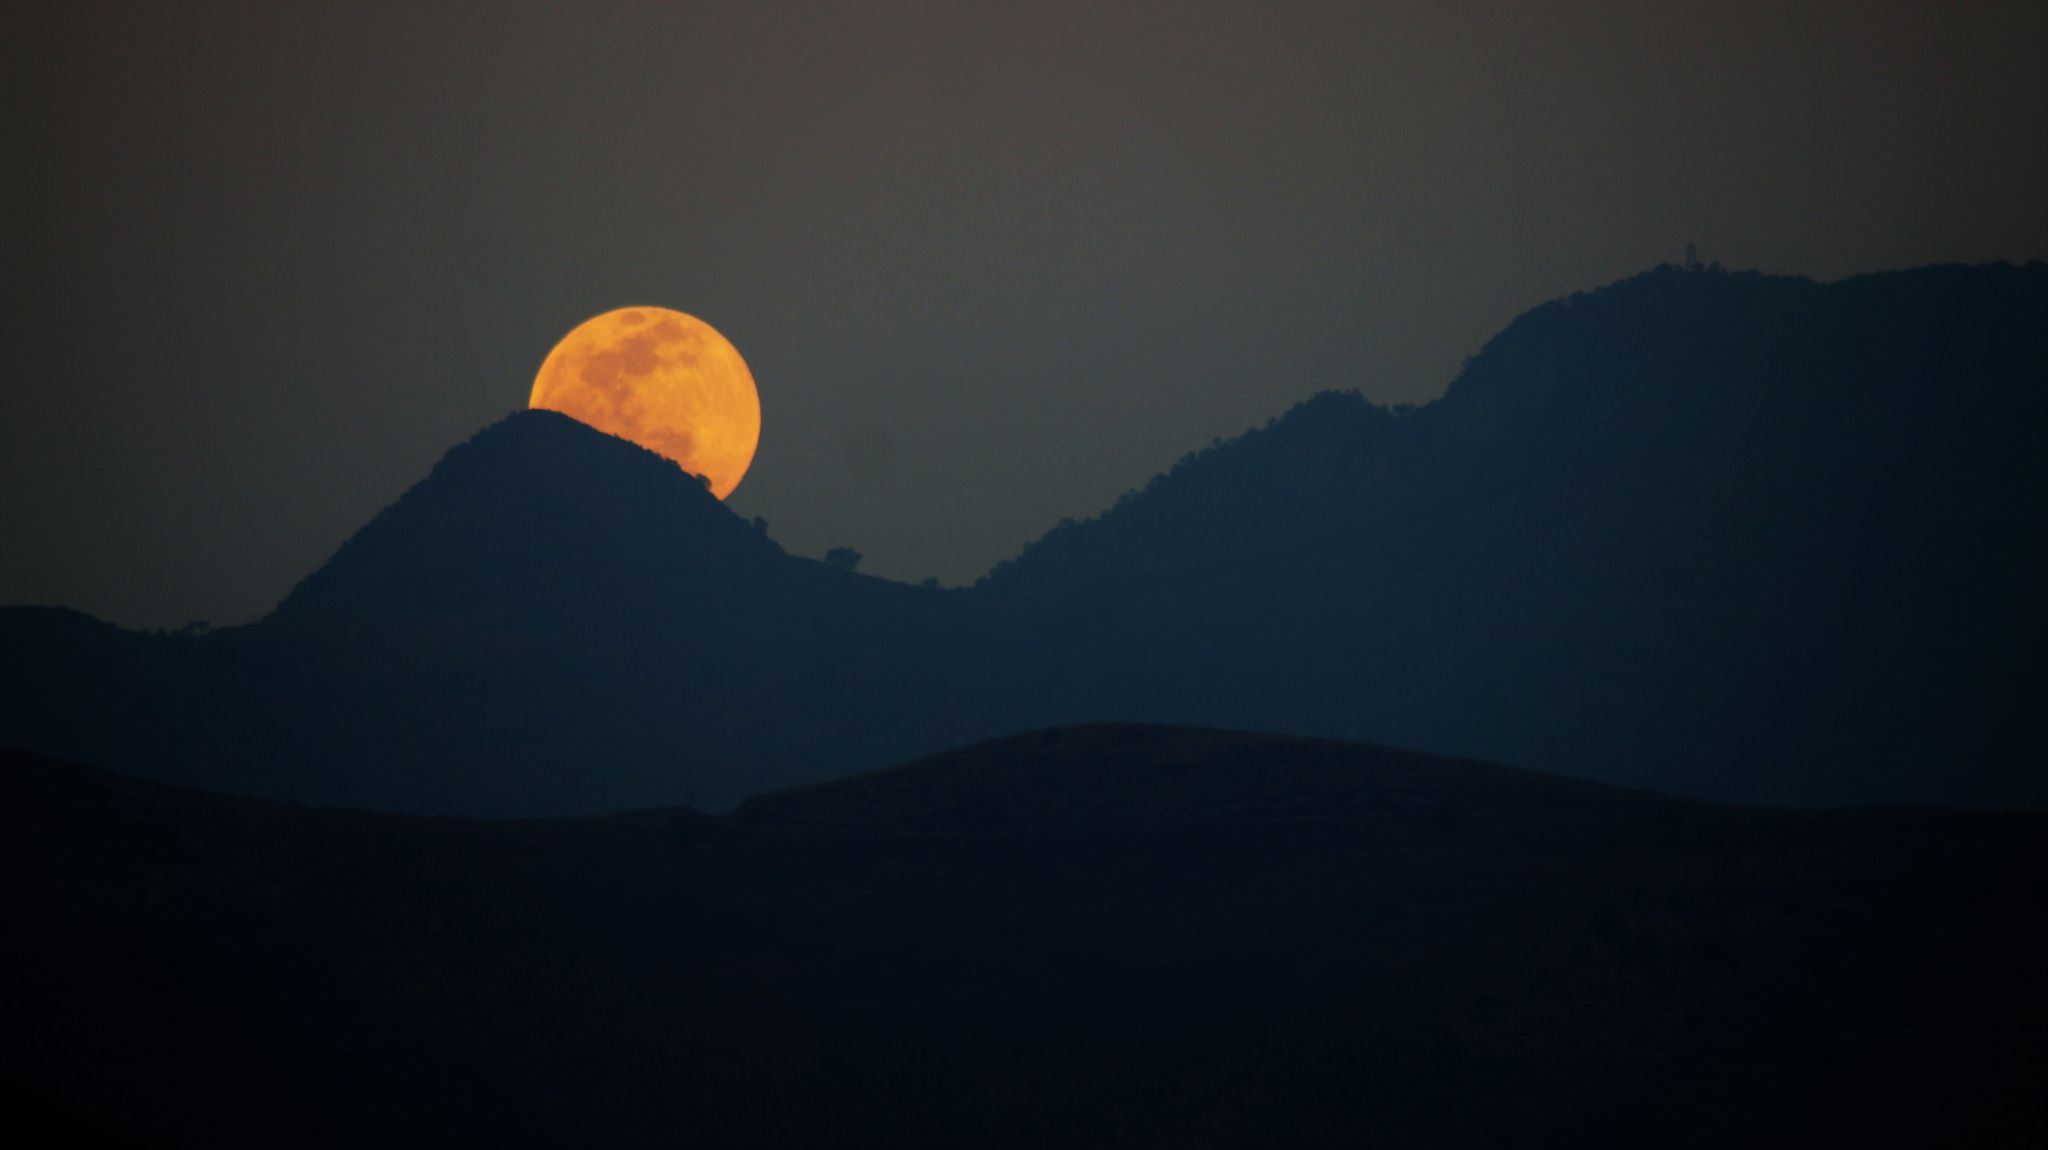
[
  {"x": 1731, "y": 535},
  {"x": 535, "y": 512},
  {"x": 1106, "y": 935},
  {"x": 554, "y": 620}
]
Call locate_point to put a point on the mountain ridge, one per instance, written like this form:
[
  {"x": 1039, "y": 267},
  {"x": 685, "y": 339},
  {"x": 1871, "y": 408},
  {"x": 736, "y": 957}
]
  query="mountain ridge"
[
  {"x": 1516, "y": 374},
  {"x": 1722, "y": 534}
]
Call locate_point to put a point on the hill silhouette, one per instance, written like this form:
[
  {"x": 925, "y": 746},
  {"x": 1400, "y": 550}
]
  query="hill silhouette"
[
  {"x": 536, "y": 511},
  {"x": 1735, "y": 392},
  {"x": 554, "y": 620},
  {"x": 1732, "y": 535},
  {"x": 1108, "y": 935},
  {"x": 1737, "y": 535}
]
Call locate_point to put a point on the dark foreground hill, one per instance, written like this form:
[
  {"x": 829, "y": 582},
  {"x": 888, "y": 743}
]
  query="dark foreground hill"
[
  {"x": 1737, "y": 536},
  {"x": 1098, "y": 936}
]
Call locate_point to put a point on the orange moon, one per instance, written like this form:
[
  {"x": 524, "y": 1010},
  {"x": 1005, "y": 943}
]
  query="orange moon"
[{"x": 667, "y": 381}]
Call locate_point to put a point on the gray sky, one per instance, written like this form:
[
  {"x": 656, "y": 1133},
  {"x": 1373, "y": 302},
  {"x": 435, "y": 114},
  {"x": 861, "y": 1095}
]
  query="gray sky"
[{"x": 991, "y": 264}]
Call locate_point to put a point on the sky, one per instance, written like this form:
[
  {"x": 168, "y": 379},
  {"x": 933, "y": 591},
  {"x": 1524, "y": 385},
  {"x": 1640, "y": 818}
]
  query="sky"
[{"x": 991, "y": 264}]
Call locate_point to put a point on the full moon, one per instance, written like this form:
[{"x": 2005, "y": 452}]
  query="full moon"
[{"x": 667, "y": 381}]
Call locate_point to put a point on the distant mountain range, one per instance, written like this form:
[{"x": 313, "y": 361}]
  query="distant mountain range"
[
  {"x": 1103, "y": 936},
  {"x": 1722, "y": 534}
]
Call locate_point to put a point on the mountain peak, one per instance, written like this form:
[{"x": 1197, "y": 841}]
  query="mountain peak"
[
  {"x": 536, "y": 506},
  {"x": 1130, "y": 775},
  {"x": 564, "y": 447}
]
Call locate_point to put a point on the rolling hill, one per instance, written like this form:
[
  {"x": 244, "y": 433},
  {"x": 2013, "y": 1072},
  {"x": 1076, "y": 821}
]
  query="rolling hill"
[{"x": 1106, "y": 935}]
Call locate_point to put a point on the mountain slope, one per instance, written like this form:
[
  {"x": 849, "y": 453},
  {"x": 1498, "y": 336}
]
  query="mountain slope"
[
  {"x": 1738, "y": 393},
  {"x": 1729, "y": 534},
  {"x": 553, "y": 621},
  {"x": 1104, "y": 935}
]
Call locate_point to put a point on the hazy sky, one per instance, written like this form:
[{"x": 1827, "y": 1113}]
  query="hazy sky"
[{"x": 991, "y": 264}]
